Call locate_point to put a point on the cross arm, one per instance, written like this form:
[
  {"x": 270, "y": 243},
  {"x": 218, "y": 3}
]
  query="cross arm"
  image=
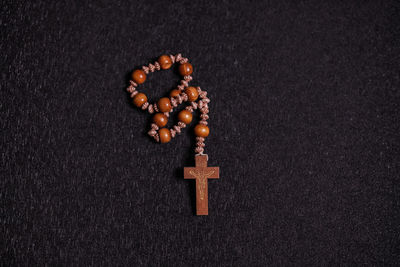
[
  {"x": 187, "y": 174},
  {"x": 213, "y": 172},
  {"x": 209, "y": 172}
]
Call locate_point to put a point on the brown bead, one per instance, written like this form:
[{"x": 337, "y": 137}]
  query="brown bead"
[
  {"x": 164, "y": 104},
  {"x": 165, "y": 62},
  {"x": 185, "y": 116},
  {"x": 165, "y": 135},
  {"x": 201, "y": 130},
  {"x": 139, "y": 76},
  {"x": 185, "y": 69},
  {"x": 191, "y": 93},
  {"x": 139, "y": 99},
  {"x": 160, "y": 119},
  {"x": 174, "y": 93}
]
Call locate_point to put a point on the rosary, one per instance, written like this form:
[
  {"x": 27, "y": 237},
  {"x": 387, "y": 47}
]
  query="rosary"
[{"x": 196, "y": 99}]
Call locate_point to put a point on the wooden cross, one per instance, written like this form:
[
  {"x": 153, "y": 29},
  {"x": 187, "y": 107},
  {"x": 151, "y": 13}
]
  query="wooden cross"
[{"x": 201, "y": 172}]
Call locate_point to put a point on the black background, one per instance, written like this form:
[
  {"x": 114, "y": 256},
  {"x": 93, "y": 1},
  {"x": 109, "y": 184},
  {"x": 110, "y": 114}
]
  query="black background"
[{"x": 304, "y": 126}]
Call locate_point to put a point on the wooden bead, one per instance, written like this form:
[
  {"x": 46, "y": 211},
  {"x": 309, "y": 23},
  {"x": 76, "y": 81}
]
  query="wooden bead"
[
  {"x": 164, "y": 104},
  {"x": 185, "y": 69},
  {"x": 139, "y": 99},
  {"x": 165, "y": 135},
  {"x": 160, "y": 119},
  {"x": 174, "y": 93},
  {"x": 201, "y": 130},
  {"x": 165, "y": 62},
  {"x": 191, "y": 93},
  {"x": 185, "y": 116},
  {"x": 139, "y": 76}
]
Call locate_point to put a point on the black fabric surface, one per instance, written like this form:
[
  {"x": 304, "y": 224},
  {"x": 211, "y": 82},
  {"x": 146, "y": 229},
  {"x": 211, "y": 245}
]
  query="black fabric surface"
[{"x": 304, "y": 120}]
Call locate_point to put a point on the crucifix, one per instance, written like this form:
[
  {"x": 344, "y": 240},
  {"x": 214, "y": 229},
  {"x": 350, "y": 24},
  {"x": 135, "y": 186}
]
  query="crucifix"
[{"x": 201, "y": 173}]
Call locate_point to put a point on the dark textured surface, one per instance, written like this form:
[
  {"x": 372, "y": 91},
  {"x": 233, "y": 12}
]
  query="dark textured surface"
[{"x": 304, "y": 121}]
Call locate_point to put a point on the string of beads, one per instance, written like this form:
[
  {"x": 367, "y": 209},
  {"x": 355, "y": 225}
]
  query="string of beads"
[{"x": 195, "y": 97}]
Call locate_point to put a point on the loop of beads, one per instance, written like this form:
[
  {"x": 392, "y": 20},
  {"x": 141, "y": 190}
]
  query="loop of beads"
[{"x": 196, "y": 98}]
